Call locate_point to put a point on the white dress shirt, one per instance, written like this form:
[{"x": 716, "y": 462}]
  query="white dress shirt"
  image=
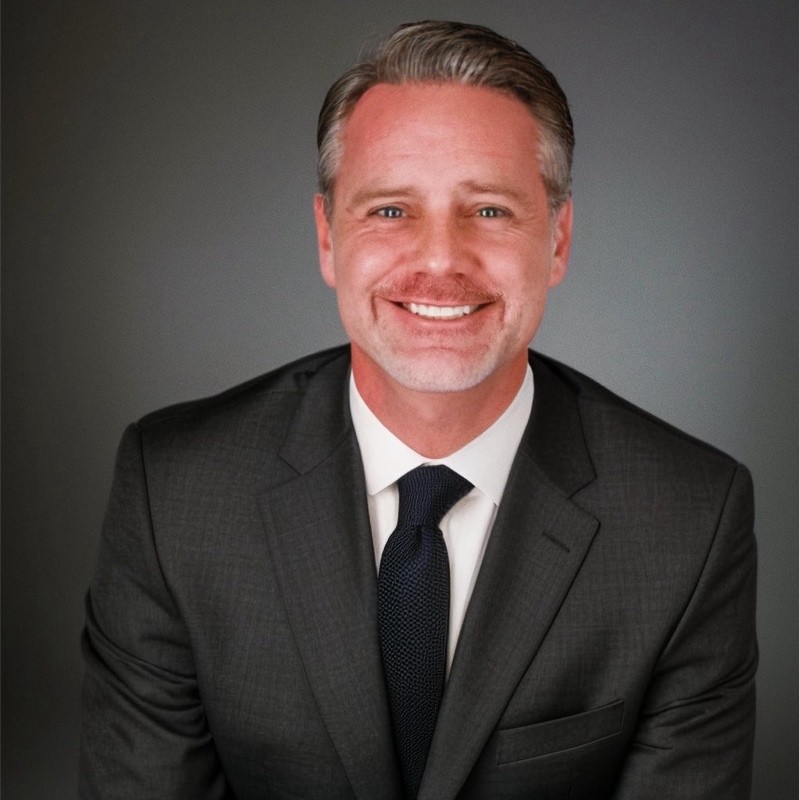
[{"x": 485, "y": 462}]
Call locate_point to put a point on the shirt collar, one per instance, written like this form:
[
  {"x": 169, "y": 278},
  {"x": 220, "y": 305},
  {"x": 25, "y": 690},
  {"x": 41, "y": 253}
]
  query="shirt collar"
[{"x": 485, "y": 461}]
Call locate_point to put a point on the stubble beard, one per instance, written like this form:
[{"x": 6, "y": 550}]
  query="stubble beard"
[
  {"x": 438, "y": 365},
  {"x": 435, "y": 372}
]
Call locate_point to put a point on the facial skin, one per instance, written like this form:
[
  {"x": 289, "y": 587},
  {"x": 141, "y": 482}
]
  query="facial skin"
[{"x": 440, "y": 242}]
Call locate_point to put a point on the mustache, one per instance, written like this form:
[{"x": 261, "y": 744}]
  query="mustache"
[{"x": 451, "y": 289}]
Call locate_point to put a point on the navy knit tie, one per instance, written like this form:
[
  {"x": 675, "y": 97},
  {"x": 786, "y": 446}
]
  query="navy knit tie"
[{"x": 413, "y": 612}]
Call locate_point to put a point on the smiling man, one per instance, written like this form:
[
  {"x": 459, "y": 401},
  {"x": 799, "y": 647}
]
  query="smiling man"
[{"x": 429, "y": 564}]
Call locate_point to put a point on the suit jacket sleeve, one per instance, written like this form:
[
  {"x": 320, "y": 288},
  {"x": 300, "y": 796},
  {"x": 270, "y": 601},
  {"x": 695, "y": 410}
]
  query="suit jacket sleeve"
[
  {"x": 695, "y": 732},
  {"x": 144, "y": 733}
]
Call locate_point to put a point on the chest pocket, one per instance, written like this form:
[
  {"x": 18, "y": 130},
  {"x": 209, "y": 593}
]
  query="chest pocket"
[{"x": 553, "y": 736}]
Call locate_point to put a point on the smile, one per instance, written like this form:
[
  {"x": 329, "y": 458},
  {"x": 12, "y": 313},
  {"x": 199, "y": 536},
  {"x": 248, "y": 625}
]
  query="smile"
[{"x": 439, "y": 312}]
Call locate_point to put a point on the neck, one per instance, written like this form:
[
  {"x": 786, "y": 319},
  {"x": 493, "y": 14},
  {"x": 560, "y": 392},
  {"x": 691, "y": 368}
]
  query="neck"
[{"x": 436, "y": 424}]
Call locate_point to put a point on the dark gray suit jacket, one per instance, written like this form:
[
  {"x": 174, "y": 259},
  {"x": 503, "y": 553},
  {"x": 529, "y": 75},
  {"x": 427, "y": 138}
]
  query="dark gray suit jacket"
[{"x": 231, "y": 644}]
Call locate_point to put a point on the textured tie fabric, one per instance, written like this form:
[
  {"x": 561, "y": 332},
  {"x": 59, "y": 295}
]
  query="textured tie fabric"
[{"x": 413, "y": 612}]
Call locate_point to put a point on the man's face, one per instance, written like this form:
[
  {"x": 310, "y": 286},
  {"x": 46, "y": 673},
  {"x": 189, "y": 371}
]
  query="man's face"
[{"x": 440, "y": 243}]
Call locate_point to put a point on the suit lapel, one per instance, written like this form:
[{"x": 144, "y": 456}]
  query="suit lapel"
[
  {"x": 537, "y": 545},
  {"x": 318, "y": 532}
]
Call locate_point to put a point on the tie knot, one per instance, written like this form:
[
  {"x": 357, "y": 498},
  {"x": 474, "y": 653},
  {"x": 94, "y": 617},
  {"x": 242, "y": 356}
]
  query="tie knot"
[{"x": 428, "y": 493}]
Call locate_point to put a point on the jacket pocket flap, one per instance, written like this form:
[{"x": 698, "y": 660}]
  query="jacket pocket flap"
[{"x": 543, "y": 738}]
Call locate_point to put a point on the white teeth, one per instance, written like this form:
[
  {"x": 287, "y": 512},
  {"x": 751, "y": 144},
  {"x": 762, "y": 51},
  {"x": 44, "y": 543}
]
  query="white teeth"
[{"x": 439, "y": 312}]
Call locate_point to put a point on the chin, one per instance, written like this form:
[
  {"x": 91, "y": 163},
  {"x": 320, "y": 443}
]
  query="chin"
[{"x": 439, "y": 374}]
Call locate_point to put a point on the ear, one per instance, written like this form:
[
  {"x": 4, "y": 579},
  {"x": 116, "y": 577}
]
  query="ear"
[
  {"x": 324, "y": 241},
  {"x": 562, "y": 240}
]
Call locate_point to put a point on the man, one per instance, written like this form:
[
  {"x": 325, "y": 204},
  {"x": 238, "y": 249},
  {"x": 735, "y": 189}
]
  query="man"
[{"x": 274, "y": 616}]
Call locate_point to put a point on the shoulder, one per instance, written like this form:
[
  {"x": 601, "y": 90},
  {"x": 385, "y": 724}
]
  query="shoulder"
[
  {"x": 620, "y": 435},
  {"x": 656, "y": 490},
  {"x": 256, "y": 413}
]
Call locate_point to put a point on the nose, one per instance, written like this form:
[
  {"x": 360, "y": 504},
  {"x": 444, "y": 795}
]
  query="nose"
[{"x": 441, "y": 244}]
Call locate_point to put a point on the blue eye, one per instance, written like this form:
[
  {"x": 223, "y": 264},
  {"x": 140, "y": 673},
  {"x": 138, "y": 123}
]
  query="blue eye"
[
  {"x": 490, "y": 212},
  {"x": 390, "y": 212}
]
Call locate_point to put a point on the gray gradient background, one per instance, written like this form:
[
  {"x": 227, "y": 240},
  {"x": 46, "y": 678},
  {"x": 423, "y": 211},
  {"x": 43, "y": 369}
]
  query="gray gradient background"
[{"x": 158, "y": 245}]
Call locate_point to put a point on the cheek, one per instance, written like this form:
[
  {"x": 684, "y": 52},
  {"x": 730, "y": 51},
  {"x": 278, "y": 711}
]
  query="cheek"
[
  {"x": 526, "y": 274},
  {"x": 363, "y": 263},
  {"x": 525, "y": 289}
]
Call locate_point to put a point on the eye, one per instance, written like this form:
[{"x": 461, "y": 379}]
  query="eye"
[
  {"x": 490, "y": 212},
  {"x": 389, "y": 212}
]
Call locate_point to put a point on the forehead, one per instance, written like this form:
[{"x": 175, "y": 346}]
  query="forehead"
[
  {"x": 453, "y": 104},
  {"x": 439, "y": 127}
]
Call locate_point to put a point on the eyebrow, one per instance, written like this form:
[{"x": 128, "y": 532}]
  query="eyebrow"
[
  {"x": 380, "y": 192},
  {"x": 494, "y": 188},
  {"x": 383, "y": 192}
]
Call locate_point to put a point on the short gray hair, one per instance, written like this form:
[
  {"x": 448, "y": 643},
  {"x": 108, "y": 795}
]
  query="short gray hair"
[{"x": 440, "y": 52}]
